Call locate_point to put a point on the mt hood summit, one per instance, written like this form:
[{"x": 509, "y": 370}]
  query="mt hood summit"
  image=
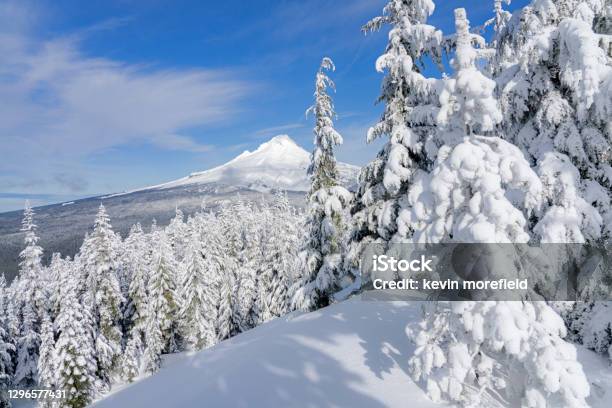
[{"x": 279, "y": 163}]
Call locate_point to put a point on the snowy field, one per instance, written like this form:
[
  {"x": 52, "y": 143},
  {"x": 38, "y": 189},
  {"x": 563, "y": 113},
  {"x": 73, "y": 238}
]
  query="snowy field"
[{"x": 351, "y": 354}]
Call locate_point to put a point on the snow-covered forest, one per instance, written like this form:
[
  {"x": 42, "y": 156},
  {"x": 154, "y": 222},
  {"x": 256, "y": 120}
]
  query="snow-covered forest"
[
  {"x": 512, "y": 143},
  {"x": 108, "y": 314}
]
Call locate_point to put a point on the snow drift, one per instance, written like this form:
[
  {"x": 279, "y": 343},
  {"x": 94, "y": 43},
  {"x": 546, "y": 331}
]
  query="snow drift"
[{"x": 353, "y": 353}]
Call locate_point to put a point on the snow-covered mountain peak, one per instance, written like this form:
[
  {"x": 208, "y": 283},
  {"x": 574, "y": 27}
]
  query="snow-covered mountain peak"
[
  {"x": 280, "y": 140},
  {"x": 279, "y": 163},
  {"x": 279, "y": 148}
]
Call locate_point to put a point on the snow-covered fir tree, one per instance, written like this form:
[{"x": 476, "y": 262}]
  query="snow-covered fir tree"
[
  {"x": 476, "y": 351},
  {"x": 75, "y": 351},
  {"x": 132, "y": 356},
  {"x": 472, "y": 352},
  {"x": 323, "y": 270},
  {"x": 103, "y": 295},
  {"x": 247, "y": 257},
  {"x": 554, "y": 86},
  {"x": 7, "y": 348},
  {"x": 177, "y": 235},
  {"x": 58, "y": 271},
  {"x": 464, "y": 197},
  {"x": 408, "y": 121},
  {"x": 31, "y": 303},
  {"x": 46, "y": 360},
  {"x": 278, "y": 258},
  {"x": 198, "y": 306},
  {"x": 223, "y": 251},
  {"x": 161, "y": 327},
  {"x": 154, "y": 343},
  {"x": 290, "y": 234},
  {"x": 555, "y": 91},
  {"x": 226, "y": 322},
  {"x": 136, "y": 311}
]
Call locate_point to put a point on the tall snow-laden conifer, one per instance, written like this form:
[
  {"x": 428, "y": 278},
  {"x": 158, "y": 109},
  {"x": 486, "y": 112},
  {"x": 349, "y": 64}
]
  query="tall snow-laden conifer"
[
  {"x": 46, "y": 360},
  {"x": 464, "y": 197},
  {"x": 226, "y": 323},
  {"x": 58, "y": 271},
  {"x": 103, "y": 295},
  {"x": 473, "y": 352},
  {"x": 161, "y": 328},
  {"x": 327, "y": 201},
  {"x": 137, "y": 254},
  {"x": 278, "y": 258},
  {"x": 31, "y": 302},
  {"x": 408, "y": 121},
  {"x": 6, "y": 346},
  {"x": 223, "y": 251},
  {"x": 248, "y": 257},
  {"x": 555, "y": 92},
  {"x": 75, "y": 351},
  {"x": 198, "y": 308},
  {"x": 555, "y": 89},
  {"x": 177, "y": 235}
]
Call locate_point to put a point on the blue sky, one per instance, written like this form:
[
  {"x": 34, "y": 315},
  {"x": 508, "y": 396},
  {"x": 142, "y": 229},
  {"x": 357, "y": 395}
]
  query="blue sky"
[{"x": 107, "y": 96}]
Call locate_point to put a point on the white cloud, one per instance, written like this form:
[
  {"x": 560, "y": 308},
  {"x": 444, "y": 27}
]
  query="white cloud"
[
  {"x": 60, "y": 105},
  {"x": 275, "y": 130}
]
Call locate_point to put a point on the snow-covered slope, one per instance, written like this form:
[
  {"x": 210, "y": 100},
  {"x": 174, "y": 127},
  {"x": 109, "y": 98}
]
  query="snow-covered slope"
[
  {"x": 351, "y": 354},
  {"x": 279, "y": 163}
]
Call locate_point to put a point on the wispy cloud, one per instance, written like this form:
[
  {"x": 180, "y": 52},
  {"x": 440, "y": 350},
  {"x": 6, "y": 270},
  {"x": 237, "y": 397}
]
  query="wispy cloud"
[
  {"x": 73, "y": 182},
  {"x": 63, "y": 106},
  {"x": 275, "y": 130},
  {"x": 303, "y": 16}
]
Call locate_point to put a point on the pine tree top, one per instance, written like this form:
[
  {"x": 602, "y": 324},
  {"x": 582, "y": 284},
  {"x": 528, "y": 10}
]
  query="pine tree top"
[{"x": 322, "y": 169}]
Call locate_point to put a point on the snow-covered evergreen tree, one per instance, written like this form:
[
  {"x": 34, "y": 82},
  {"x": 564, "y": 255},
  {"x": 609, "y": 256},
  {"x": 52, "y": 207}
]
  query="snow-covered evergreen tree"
[
  {"x": 6, "y": 347},
  {"x": 31, "y": 301},
  {"x": 473, "y": 352},
  {"x": 464, "y": 197},
  {"x": 154, "y": 343},
  {"x": 137, "y": 258},
  {"x": 11, "y": 303},
  {"x": 161, "y": 327},
  {"x": 75, "y": 352},
  {"x": 103, "y": 295},
  {"x": 248, "y": 257},
  {"x": 223, "y": 245},
  {"x": 409, "y": 122},
  {"x": 226, "y": 323},
  {"x": 46, "y": 360},
  {"x": 177, "y": 235},
  {"x": 132, "y": 356},
  {"x": 327, "y": 201},
  {"x": 477, "y": 351},
  {"x": 198, "y": 308},
  {"x": 278, "y": 257},
  {"x": 58, "y": 271},
  {"x": 555, "y": 87}
]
